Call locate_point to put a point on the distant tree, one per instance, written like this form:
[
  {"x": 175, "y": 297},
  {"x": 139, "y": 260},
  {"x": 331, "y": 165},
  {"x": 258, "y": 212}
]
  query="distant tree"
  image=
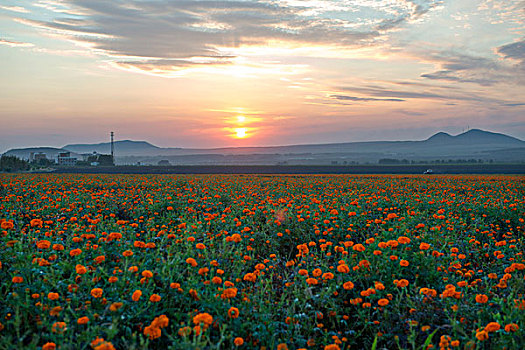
[
  {"x": 45, "y": 162},
  {"x": 11, "y": 163},
  {"x": 105, "y": 159},
  {"x": 388, "y": 161}
]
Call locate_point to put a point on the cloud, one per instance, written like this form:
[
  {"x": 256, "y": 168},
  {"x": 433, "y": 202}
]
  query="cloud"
[
  {"x": 12, "y": 43},
  {"x": 377, "y": 91},
  {"x": 515, "y": 50},
  {"x": 19, "y": 9},
  {"x": 363, "y": 99},
  {"x": 451, "y": 75},
  {"x": 177, "y": 35},
  {"x": 484, "y": 71},
  {"x": 417, "y": 10}
]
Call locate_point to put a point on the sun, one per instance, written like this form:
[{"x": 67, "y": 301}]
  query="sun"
[{"x": 240, "y": 133}]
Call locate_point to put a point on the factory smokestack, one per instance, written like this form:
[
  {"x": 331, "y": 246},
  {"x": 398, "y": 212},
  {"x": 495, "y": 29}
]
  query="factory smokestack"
[{"x": 112, "y": 149}]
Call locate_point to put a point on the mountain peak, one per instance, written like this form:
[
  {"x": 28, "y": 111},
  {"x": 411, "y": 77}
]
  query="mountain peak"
[
  {"x": 486, "y": 136},
  {"x": 439, "y": 136},
  {"x": 474, "y": 135}
]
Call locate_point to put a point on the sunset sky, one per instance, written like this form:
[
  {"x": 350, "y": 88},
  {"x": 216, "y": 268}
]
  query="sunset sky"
[{"x": 258, "y": 73}]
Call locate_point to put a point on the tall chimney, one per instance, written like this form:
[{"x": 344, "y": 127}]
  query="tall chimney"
[{"x": 112, "y": 145}]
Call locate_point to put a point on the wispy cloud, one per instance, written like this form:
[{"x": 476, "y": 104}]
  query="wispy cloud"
[
  {"x": 168, "y": 36},
  {"x": 12, "y": 43},
  {"x": 514, "y": 51},
  {"x": 430, "y": 94},
  {"x": 18, "y": 9},
  {"x": 485, "y": 71},
  {"x": 363, "y": 99}
]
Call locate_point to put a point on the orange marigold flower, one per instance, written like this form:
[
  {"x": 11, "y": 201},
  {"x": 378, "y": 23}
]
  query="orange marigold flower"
[
  {"x": 6, "y": 225},
  {"x": 481, "y": 298},
  {"x": 511, "y": 327},
  {"x": 154, "y": 298},
  {"x": 238, "y": 341},
  {"x": 383, "y": 302},
  {"x": 53, "y": 296},
  {"x": 55, "y": 311},
  {"x": 147, "y": 274},
  {"x": 203, "y": 318},
  {"x": 492, "y": 327},
  {"x": 80, "y": 269},
  {"x": 251, "y": 277},
  {"x": 161, "y": 321},
  {"x": 317, "y": 272},
  {"x": 75, "y": 252},
  {"x": 233, "y": 312},
  {"x": 404, "y": 263},
  {"x": 96, "y": 292},
  {"x": 424, "y": 246},
  {"x": 403, "y": 240},
  {"x": 136, "y": 295},
  {"x": 311, "y": 281},
  {"x": 282, "y": 346},
  {"x": 100, "y": 259},
  {"x": 228, "y": 284},
  {"x": 328, "y": 275},
  {"x": 379, "y": 286},
  {"x": 127, "y": 253},
  {"x": 152, "y": 332},
  {"x": 184, "y": 331},
  {"x": 36, "y": 222},
  {"x": 44, "y": 244},
  {"x": 192, "y": 262},
  {"x": 83, "y": 320},
  {"x": 482, "y": 335},
  {"x": 17, "y": 279},
  {"x": 115, "y": 306},
  {"x": 194, "y": 294},
  {"x": 216, "y": 280},
  {"x": 359, "y": 248},
  {"x": 49, "y": 346},
  {"x": 200, "y": 246},
  {"x": 105, "y": 345},
  {"x": 348, "y": 285},
  {"x": 401, "y": 283},
  {"x": 229, "y": 293},
  {"x": 343, "y": 268},
  {"x": 58, "y": 327},
  {"x": 332, "y": 346}
]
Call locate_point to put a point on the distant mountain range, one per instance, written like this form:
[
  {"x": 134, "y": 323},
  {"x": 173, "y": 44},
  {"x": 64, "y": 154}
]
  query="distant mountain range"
[{"x": 473, "y": 144}]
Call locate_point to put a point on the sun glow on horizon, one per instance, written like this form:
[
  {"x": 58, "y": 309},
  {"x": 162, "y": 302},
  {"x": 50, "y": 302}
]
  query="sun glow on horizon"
[{"x": 240, "y": 133}]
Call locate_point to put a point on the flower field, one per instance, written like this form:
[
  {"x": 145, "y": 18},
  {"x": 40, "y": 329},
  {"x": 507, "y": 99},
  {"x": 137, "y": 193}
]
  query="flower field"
[{"x": 262, "y": 262}]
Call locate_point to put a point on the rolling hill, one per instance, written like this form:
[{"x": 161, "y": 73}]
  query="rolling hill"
[{"x": 473, "y": 144}]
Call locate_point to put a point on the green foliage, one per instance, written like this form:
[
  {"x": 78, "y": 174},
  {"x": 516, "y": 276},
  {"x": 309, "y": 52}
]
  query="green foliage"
[
  {"x": 282, "y": 241},
  {"x": 10, "y": 164}
]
